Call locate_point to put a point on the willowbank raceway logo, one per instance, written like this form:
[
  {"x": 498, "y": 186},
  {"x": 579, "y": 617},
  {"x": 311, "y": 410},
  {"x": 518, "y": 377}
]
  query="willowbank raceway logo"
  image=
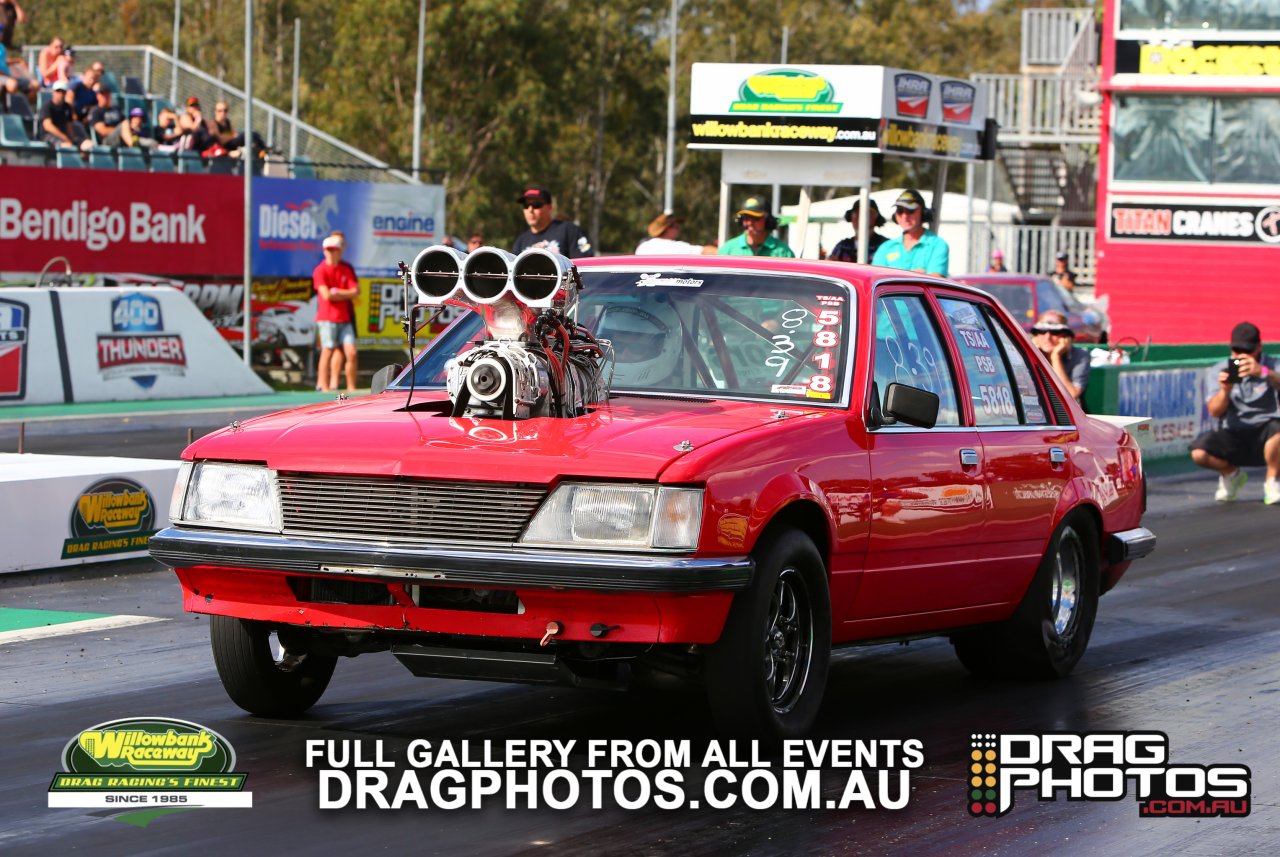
[
  {"x": 1101, "y": 766},
  {"x": 785, "y": 90},
  {"x": 114, "y": 515},
  {"x": 148, "y": 763}
]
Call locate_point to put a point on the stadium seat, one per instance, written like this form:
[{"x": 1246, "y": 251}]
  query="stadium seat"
[
  {"x": 154, "y": 106},
  {"x": 113, "y": 83},
  {"x": 190, "y": 162},
  {"x": 102, "y": 158},
  {"x": 303, "y": 168},
  {"x": 133, "y": 86},
  {"x": 70, "y": 158},
  {"x": 161, "y": 162},
  {"x": 131, "y": 101},
  {"x": 20, "y": 107},
  {"x": 131, "y": 159},
  {"x": 13, "y": 132}
]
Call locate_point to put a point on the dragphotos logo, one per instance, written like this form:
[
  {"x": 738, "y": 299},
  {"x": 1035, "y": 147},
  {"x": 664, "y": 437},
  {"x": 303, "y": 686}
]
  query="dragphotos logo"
[
  {"x": 1101, "y": 766},
  {"x": 97, "y": 228}
]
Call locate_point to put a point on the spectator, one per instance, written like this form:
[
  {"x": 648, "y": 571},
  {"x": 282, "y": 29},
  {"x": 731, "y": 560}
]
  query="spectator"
[
  {"x": 54, "y": 62},
  {"x": 226, "y": 131},
  {"x": 166, "y": 133},
  {"x": 104, "y": 118},
  {"x": 755, "y": 240},
  {"x": 132, "y": 133},
  {"x": 1062, "y": 273},
  {"x": 1056, "y": 342},
  {"x": 664, "y": 238},
  {"x": 83, "y": 98},
  {"x": 337, "y": 285},
  {"x": 57, "y": 126},
  {"x": 918, "y": 249},
  {"x": 847, "y": 248},
  {"x": 11, "y": 15},
  {"x": 475, "y": 242},
  {"x": 199, "y": 133},
  {"x": 548, "y": 231},
  {"x": 997, "y": 262},
  {"x": 14, "y": 76},
  {"x": 1248, "y": 406}
]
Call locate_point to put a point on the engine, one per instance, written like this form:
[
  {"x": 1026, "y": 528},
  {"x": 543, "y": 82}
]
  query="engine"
[{"x": 535, "y": 361}]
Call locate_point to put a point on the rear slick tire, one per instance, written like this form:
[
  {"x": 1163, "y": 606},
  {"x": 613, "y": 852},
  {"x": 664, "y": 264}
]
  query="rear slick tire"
[
  {"x": 260, "y": 675},
  {"x": 1049, "y": 632},
  {"x": 766, "y": 675}
]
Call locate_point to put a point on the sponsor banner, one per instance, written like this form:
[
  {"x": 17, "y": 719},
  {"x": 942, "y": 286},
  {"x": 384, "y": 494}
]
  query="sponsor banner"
[
  {"x": 14, "y": 317},
  {"x": 931, "y": 141},
  {"x": 384, "y": 224},
  {"x": 148, "y": 763},
  {"x": 1202, "y": 63},
  {"x": 121, "y": 222},
  {"x": 120, "y": 344},
  {"x": 64, "y": 510},
  {"x": 1174, "y": 399},
  {"x": 1195, "y": 221},
  {"x": 835, "y": 107}
]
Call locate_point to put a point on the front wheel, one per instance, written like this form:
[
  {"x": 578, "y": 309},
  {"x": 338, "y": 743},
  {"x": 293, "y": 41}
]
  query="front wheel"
[
  {"x": 766, "y": 675},
  {"x": 1049, "y": 632},
  {"x": 261, "y": 674}
]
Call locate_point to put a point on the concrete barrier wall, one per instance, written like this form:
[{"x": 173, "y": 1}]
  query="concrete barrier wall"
[
  {"x": 63, "y": 510},
  {"x": 113, "y": 344}
]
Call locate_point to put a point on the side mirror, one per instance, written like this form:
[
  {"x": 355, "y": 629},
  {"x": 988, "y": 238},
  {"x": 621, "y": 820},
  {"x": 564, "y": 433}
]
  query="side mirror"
[
  {"x": 911, "y": 405},
  {"x": 383, "y": 377}
]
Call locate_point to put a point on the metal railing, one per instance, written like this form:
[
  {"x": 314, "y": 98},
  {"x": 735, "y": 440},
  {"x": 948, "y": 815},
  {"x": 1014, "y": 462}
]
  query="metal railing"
[
  {"x": 162, "y": 76},
  {"x": 1051, "y": 36},
  {"x": 1044, "y": 108},
  {"x": 1031, "y": 249}
]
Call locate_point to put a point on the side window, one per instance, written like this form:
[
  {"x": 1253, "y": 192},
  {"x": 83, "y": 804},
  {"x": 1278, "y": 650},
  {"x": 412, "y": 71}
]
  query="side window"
[
  {"x": 1033, "y": 412},
  {"x": 989, "y": 383},
  {"x": 909, "y": 351}
]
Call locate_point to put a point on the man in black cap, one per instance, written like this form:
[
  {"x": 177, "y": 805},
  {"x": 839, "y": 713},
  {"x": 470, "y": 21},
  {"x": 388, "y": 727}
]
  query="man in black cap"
[
  {"x": 918, "y": 249},
  {"x": 1062, "y": 273},
  {"x": 1248, "y": 404},
  {"x": 548, "y": 231},
  {"x": 755, "y": 240},
  {"x": 846, "y": 250}
]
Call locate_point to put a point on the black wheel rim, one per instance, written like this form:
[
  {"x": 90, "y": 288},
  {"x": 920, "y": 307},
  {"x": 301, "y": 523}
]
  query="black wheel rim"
[
  {"x": 1064, "y": 588},
  {"x": 788, "y": 641}
]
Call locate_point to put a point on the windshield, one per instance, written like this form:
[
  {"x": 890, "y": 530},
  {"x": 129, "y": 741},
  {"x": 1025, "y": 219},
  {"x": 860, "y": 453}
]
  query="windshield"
[{"x": 703, "y": 333}]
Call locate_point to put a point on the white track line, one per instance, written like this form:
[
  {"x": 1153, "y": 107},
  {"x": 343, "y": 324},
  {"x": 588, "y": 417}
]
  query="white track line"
[{"x": 84, "y": 626}]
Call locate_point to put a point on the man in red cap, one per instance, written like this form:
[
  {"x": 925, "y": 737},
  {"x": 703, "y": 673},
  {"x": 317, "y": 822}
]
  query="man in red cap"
[{"x": 548, "y": 231}]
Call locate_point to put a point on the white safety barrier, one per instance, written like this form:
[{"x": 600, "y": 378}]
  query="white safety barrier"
[
  {"x": 62, "y": 510},
  {"x": 113, "y": 344}
]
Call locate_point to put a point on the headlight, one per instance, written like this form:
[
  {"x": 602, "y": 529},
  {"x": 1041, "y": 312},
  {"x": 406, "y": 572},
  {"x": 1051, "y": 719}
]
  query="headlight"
[
  {"x": 619, "y": 516},
  {"x": 236, "y": 496}
]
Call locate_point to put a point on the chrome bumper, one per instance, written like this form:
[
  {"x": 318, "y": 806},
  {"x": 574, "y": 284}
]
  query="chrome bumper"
[
  {"x": 485, "y": 567},
  {"x": 1132, "y": 544}
]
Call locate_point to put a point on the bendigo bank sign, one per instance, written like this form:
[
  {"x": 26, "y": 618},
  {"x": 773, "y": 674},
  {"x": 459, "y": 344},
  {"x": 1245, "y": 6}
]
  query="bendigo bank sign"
[{"x": 122, "y": 222}]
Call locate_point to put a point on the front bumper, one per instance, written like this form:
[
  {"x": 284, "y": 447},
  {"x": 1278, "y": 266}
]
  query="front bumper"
[{"x": 483, "y": 567}]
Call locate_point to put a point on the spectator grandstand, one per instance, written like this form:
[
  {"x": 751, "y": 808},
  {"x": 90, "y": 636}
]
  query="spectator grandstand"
[{"x": 142, "y": 77}]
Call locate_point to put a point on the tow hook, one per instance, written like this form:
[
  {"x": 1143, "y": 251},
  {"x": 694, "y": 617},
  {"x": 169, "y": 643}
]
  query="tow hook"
[
  {"x": 553, "y": 628},
  {"x": 600, "y": 630}
]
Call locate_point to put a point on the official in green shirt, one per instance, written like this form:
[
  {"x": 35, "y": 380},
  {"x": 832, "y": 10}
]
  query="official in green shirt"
[
  {"x": 918, "y": 249},
  {"x": 755, "y": 240}
]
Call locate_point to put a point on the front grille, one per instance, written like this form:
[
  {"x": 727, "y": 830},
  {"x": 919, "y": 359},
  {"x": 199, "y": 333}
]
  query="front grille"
[{"x": 402, "y": 512}]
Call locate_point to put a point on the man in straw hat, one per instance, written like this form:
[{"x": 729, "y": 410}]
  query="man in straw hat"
[{"x": 664, "y": 239}]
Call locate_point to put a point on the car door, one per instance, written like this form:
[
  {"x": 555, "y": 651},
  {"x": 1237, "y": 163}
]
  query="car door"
[
  {"x": 1024, "y": 451},
  {"x": 927, "y": 485}
]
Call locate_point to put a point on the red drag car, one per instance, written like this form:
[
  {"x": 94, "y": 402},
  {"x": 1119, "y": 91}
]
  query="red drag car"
[
  {"x": 716, "y": 468},
  {"x": 1026, "y": 296}
]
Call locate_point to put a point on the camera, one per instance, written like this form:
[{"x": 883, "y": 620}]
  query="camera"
[
  {"x": 1233, "y": 370},
  {"x": 69, "y": 51}
]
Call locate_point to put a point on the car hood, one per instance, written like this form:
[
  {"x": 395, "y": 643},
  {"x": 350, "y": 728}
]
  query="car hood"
[{"x": 628, "y": 437}]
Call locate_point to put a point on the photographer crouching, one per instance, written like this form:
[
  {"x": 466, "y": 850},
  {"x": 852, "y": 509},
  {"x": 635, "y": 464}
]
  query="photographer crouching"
[{"x": 1248, "y": 406}]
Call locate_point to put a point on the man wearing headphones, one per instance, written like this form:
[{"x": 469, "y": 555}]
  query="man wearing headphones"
[
  {"x": 918, "y": 249},
  {"x": 755, "y": 240}
]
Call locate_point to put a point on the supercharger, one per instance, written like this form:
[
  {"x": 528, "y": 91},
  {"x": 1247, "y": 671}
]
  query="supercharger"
[{"x": 535, "y": 360}]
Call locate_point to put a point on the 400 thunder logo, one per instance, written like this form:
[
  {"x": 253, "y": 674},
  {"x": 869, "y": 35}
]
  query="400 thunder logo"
[{"x": 1101, "y": 766}]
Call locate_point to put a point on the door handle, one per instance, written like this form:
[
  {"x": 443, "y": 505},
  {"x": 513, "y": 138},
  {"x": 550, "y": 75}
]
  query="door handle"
[
  {"x": 1057, "y": 455},
  {"x": 968, "y": 457}
]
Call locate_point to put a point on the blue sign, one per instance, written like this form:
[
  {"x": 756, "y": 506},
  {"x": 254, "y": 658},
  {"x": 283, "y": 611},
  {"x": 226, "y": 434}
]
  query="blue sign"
[{"x": 383, "y": 224}]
